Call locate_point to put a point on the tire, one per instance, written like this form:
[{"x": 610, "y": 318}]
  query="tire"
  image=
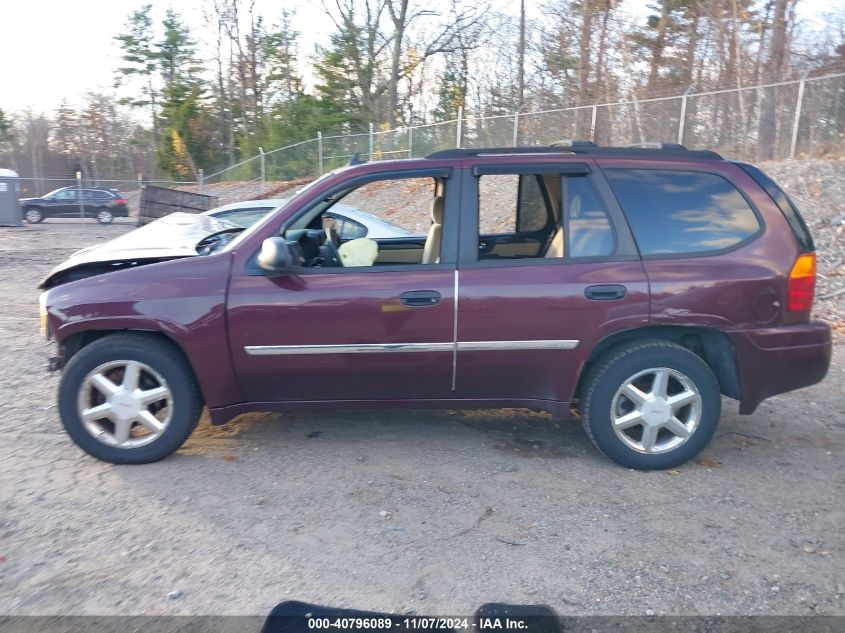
[
  {"x": 33, "y": 215},
  {"x": 104, "y": 216},
  {"x": 617, "y": 418},
  {"x": 159, "y": 365}
]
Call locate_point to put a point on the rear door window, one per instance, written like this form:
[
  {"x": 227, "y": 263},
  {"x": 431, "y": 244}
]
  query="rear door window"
[
  {"x": 682, "y": 212},
  {"x": 588, "y": 228}
]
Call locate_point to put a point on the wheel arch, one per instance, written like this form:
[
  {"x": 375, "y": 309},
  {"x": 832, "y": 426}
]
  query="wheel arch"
[
  {"x": 713, "y": 346},
  {"x": 73, "y": 343}
]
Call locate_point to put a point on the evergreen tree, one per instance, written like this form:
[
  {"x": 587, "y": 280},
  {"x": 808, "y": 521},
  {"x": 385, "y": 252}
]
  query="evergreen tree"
[
  {"x": 176, "y": 51},
  {"x": 140, "y": 61}
]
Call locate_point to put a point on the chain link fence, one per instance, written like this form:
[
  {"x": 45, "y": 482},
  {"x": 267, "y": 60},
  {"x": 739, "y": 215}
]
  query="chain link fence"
[{"x": 801, "y": 118}]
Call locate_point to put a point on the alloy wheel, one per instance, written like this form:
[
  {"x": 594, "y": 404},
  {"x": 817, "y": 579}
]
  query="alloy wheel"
[
  {"x": 104, "y": 216},
  {"x": 33, "y": 216},
  {"x": 125, "y": 404},
  {"x": 656, "y": 410}
]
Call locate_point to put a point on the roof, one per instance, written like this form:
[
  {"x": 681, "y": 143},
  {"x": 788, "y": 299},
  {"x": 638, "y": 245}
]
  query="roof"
[{"x": 8, "y": 173}]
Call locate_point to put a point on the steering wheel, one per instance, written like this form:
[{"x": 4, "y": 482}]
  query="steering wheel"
[{"x": 331, "y": 244}]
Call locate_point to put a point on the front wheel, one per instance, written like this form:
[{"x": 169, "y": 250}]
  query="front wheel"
[
  {"x": 650, "y": 405},
  {"x": 33, "y": 215},
  {"x": 129, "y": 399},
  {"x": 104, "y": 216}
]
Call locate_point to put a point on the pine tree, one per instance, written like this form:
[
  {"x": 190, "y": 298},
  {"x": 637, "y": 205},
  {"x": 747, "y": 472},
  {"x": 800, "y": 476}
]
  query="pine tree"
[
  {"x": 140, "y": 61},
  {"x": 188, "y": 139}
]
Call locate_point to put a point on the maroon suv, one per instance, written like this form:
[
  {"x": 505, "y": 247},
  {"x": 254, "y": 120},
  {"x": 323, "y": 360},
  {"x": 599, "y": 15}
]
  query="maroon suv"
[{"x": 638, "y": 284}]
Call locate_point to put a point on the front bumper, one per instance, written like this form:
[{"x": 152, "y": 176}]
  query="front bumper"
[{"x": 780, "y": 359}]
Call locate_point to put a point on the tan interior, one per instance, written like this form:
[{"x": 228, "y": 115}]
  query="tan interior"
[
  {"x": 523, "y": 249},
  {"x": 556, "y": 246},
  {"x": 409, "y": 255},
  {"x": 431, "y": 252}
]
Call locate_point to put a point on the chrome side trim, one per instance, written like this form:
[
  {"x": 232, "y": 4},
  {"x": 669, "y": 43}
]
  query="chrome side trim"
[
  {"x": 355, "y": 348},
  {"x": 455, "y": 336},
  {"x": 497, "y": 346},
  {"x": 378, "y": 348}
]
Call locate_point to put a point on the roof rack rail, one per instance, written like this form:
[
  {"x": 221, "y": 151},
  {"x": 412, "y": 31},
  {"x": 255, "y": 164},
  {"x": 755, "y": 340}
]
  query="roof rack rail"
[
  {"x": 572, "y": 142},
  {"x": 665, "y": 150},
  {"x": 658, "y": 145}
]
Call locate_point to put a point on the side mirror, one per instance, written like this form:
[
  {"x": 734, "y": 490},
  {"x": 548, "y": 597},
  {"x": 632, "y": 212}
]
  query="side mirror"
[{"x": 275, "y": 256}]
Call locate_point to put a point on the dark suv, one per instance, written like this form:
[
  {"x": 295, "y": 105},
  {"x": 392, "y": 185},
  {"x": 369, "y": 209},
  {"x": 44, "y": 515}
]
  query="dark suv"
[
  {"x": 639, "y": 285},
  {"x": 97, "y": 202}
]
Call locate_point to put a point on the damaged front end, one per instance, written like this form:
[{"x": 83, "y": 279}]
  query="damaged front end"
[{"x": 171, "y": 237}]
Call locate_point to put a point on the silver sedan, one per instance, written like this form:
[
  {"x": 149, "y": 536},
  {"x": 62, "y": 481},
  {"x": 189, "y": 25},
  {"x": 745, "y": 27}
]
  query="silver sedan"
[{"x": 352, "y": 223}]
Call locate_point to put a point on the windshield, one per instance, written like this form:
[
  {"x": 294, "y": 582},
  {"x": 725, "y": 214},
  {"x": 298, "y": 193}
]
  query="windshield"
[{"x": 53, "y": 193}]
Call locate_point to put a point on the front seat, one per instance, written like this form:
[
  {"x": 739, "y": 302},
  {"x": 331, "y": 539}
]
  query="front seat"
[
  {"x": 556, "y": 246},
  {"x": 431, "y": 252}
]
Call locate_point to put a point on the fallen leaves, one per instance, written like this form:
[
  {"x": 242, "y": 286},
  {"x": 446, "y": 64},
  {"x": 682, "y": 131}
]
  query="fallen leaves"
[{"x": 708, "y": 462}]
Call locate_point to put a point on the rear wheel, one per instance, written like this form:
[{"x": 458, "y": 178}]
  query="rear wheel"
[
  {"x": 129, "y": 399},
  {"x": 650, "y": 405},
  {"x": 104, "y": 216},
  {"x": 33, "y": 215}
]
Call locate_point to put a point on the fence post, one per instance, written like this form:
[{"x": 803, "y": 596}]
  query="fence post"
[
  {"x": 320, "y": 153},
  {"x": 371, "y": 142},
  {"x": 263, "y": 165},
  {"x": 797, "y": 121},
  {"x": 201, "y": 181},
  {"x": 140, "y": 196},
  {"x": 459, "y": 134},
  {"x": 79, "y": 194},
  {"x": 410, "y": 141},
  {"x": 516, "y": 129},
  {"x": 682, "y": 119},
  {"x": 593, "y": 113}
]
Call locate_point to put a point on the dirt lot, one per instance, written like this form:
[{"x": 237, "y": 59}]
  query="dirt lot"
[{"x": 435, "y": 512}]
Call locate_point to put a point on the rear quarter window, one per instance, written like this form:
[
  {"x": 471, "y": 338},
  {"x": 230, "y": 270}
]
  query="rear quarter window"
[
  {"x": 785, "y": 204},
  {"x": 682, "y": 212}
]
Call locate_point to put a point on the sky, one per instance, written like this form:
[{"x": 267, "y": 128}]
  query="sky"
[{"x": 56, "y": 49}]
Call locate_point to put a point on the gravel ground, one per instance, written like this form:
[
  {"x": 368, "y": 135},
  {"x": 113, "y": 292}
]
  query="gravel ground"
[{"x": 436, "y": 512}]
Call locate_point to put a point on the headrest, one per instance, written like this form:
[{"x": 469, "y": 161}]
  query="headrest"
[{"x": 437, "y": 209}]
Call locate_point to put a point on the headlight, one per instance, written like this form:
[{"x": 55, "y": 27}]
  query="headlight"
[{"x": 42, "y": 314}]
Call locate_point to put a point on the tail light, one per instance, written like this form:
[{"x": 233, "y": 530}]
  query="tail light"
[
  {"x": 802, "y": 283},
  {"x": 120, "y": 201}
]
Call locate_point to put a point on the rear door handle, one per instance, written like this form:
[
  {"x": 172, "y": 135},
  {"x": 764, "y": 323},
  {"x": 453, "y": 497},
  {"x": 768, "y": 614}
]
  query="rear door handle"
[
  {"x": 605, "y": 292},
  {"x": 420, "y": 298}
]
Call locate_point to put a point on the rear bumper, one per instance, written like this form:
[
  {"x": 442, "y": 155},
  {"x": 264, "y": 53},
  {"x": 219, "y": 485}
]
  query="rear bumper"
[{"x": 779, "y": 359}]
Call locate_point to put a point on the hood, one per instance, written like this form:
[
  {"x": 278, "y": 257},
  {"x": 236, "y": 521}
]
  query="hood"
[{"x": 173, "y": 236}]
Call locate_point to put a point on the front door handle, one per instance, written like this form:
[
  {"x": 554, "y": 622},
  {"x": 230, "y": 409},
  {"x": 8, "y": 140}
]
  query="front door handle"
[
  {"x": 420, "y": 298},
  {"x": 605, "y": 292}
]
